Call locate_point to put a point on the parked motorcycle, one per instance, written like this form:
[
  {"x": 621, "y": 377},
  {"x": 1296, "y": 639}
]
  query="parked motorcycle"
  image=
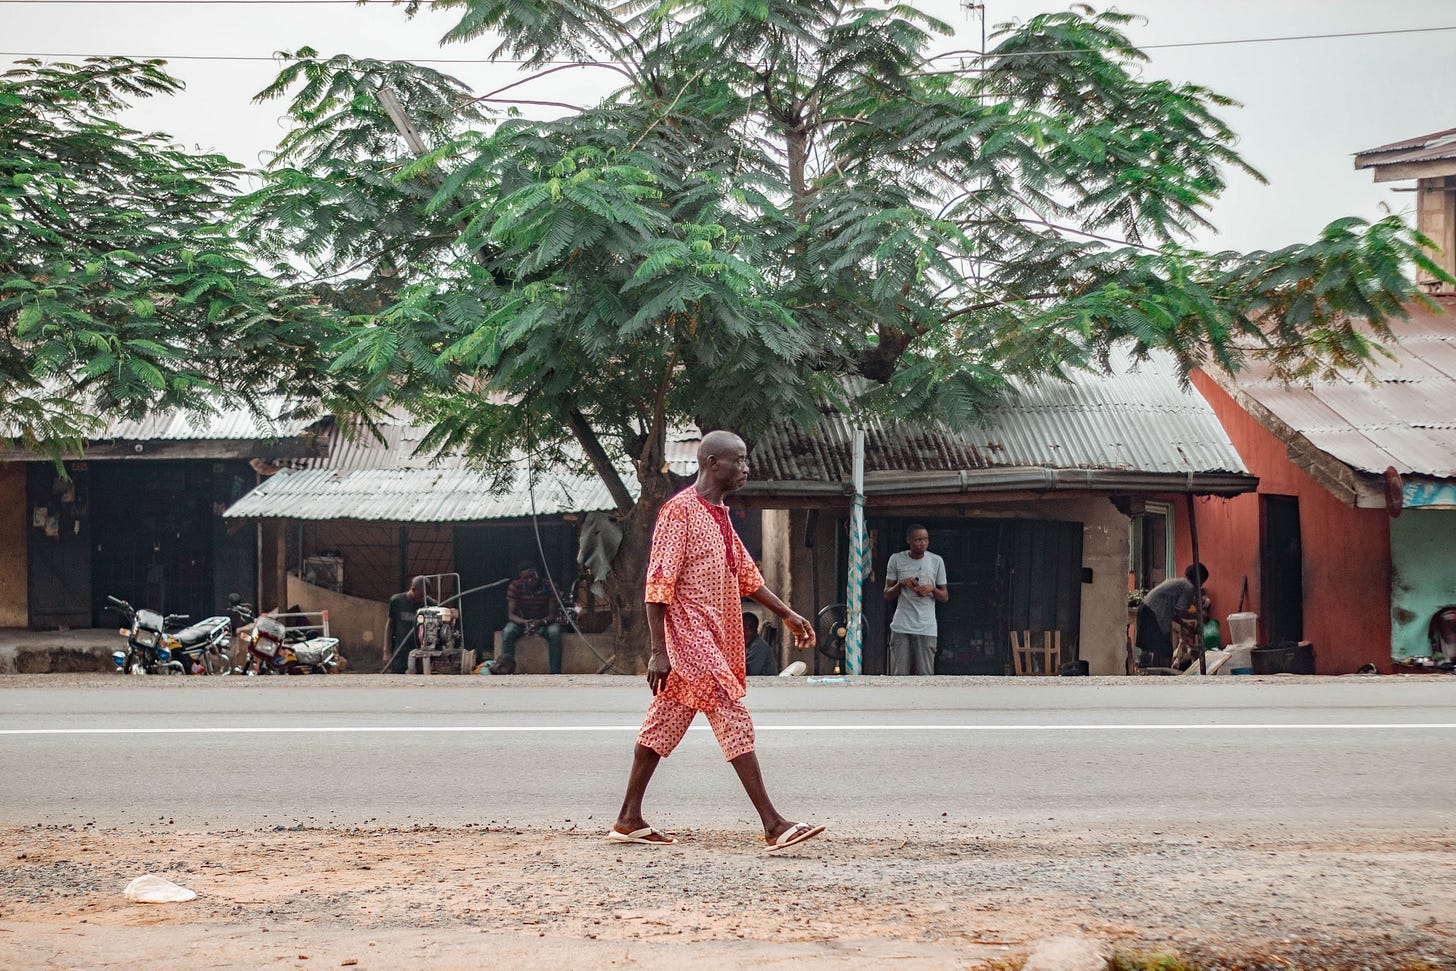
[
  {"x": 159, "y": 644},
  {"x": 205, "y": 647},
  {"x": 274, "y": 648}
]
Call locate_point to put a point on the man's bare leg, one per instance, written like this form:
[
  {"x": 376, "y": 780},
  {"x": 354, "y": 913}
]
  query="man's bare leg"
[
  {"x": 644, "y": 763},
  {"x": 746, "y": 766}
]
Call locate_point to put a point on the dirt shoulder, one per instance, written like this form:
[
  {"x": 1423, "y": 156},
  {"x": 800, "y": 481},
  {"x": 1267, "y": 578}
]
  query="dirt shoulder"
[{"x": 484, "y": 898}]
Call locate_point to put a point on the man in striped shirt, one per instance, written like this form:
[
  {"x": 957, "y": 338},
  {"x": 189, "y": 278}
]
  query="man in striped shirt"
[{"x": 532, "y": 607}]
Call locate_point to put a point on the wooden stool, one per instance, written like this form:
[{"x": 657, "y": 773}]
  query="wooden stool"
[{"x": 1025, "y": 650}]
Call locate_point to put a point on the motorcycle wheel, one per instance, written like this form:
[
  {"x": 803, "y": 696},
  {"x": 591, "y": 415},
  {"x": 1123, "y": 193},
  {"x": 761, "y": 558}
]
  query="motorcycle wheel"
[
  {"x": 215, "y": 663},
  {"x": 135, "y": 666}
]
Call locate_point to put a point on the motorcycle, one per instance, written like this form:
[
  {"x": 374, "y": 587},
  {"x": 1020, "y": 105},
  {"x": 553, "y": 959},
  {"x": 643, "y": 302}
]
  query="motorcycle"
[
  {"x": 158, "y": 644},
  {"x": 205, "y": 647},
  {"x": 274, "y": 648}
]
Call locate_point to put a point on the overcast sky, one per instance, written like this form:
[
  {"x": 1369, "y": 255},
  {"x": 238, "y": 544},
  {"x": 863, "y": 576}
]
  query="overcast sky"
[{"x": 1308, "y": 105}]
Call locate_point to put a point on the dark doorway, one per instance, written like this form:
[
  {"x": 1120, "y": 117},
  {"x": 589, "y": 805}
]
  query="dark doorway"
[
  {"x": 1281, "y": 601},
  {"x": 159, "y": 540},
  {"x": 1043, "y": 568},
  {"x": 1002, "y": 574},
  {"x": 58, "y": 548},
  {"x": 486, "y": 554}
]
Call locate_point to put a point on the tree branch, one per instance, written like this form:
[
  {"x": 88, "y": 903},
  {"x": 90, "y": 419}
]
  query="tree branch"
[{"x": 606, "y": 471}]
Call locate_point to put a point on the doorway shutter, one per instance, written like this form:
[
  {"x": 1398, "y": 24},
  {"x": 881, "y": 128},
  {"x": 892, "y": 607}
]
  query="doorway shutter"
[{"x": 1043, "y": 576}]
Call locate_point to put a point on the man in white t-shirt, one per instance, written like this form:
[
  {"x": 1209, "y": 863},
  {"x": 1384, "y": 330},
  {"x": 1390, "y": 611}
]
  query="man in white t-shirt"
[{"x": 915, "y": 578}]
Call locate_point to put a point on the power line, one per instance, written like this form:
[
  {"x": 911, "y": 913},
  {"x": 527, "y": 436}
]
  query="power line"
[
  {"x": 214, "y": 3},
  {"x": 1145, "y": 47},
  {"x": 274, "y": 59},
  {"x": 486, "y": 60}
]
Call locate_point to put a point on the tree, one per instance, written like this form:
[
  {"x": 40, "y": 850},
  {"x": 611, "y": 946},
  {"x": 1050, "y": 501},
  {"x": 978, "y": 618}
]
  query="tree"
[
  {"x": 122, "y": 290},
  {"x": 785, "y": 205}
]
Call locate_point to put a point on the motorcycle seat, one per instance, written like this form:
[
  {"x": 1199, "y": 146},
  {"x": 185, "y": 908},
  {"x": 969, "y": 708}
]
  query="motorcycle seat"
[
  {"x": 201, "y": 632},
  {"x": 317, "y": 650}
]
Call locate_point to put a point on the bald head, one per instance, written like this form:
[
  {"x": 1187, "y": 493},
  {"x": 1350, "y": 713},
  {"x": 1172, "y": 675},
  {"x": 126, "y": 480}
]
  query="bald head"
[
  {"x": 716, "y": 443},
  {"x": 722, "y": 465}
]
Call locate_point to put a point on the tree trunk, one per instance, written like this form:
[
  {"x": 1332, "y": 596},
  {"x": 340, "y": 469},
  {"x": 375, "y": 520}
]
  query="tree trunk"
[{"x": 628, "y": 576}]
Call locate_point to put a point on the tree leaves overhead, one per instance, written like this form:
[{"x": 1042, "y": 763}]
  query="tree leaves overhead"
[
  {"x": 122, "y": 290},
  {"x": 776, "y": 205}
]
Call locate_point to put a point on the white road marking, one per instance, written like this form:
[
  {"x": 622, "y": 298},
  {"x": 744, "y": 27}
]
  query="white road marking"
[{"x": 524, "y": 729}]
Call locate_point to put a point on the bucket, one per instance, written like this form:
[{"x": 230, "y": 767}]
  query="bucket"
[{"x": 1243, "y": 628}]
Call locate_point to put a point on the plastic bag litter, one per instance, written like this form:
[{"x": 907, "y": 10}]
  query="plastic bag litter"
[{"x": 152, "y": 889}]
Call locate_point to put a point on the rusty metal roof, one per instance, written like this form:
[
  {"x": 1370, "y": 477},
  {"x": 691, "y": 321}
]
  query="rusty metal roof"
[
  {"x": 1403, "y": 415},
  {"x": 1138, "y": 419}
]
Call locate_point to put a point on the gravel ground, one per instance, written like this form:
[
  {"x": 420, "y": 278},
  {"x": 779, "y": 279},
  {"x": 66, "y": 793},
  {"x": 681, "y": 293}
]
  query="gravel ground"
[{"x": 926, "y": 897}]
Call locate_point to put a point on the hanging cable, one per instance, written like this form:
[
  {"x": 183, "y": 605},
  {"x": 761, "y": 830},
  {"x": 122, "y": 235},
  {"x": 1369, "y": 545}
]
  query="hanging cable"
[{"x": 568, "y": 612}]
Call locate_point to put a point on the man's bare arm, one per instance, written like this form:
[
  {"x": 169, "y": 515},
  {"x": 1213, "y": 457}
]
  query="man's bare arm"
[
  {"x": 658, "y": 665},
  {"x": 802, "y": 630}
]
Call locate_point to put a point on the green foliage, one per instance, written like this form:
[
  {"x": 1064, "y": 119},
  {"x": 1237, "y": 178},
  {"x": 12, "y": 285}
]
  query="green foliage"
[
  {"x": 787, "y": 205},
  {"x": 1159, "y": 961},
  {"x": 121, "y": 288}
]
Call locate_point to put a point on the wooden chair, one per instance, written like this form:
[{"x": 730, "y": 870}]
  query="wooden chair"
[{"x": 1025, "y": 652}]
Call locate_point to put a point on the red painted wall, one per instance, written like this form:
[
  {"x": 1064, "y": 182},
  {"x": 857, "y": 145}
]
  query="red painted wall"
[{"x": 1346, "y": 562}]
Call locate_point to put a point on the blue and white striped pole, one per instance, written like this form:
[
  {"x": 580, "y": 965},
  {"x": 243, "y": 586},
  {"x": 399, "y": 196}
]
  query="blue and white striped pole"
[{"x": 859, "y": 558}]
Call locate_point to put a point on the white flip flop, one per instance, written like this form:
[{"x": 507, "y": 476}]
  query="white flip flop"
[
  {"x": 795, "y": 834},
  {"x": 641, "y": 836}
]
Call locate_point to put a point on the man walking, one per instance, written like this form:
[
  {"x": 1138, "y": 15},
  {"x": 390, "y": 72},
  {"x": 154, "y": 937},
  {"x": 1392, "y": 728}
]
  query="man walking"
[
  {"x": 916, "y": 579},
  {"x": 697, "y": 574}
]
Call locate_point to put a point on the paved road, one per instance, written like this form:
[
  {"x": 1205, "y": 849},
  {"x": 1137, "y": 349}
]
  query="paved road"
[{"x": 1303, "y": 756}]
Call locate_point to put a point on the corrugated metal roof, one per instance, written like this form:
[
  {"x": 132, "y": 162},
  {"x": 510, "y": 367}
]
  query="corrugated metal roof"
[
  {"x": 1405, "y": 417},
  {"x": 348, "y": 445},
  {"x": 1137, "y": 419},
  {"x": 227, "y": 425},
  {"x": 418, "y": 495},
  {"x": 388, "y": 479},
  {"x": 1409, "y": 143},
  {"x": 1422, "y": 148}
]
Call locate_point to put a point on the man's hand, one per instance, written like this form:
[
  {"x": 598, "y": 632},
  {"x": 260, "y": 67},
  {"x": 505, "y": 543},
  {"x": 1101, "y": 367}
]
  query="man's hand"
[
  {"x": 802, "y": 630},
  {"x": 658, "y": 668}
]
